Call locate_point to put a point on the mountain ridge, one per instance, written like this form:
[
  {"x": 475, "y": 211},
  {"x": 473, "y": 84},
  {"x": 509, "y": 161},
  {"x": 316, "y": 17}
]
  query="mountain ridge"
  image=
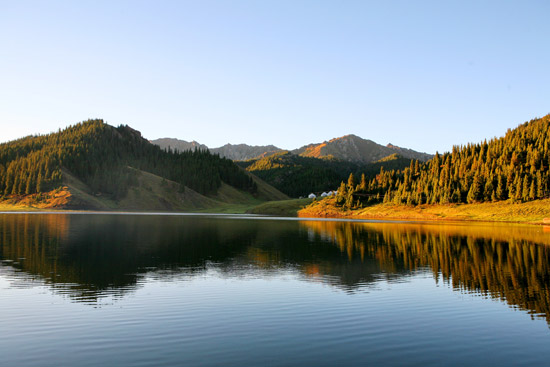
[
  {"x": 353, "y": 148},
  {"x": 350, "y": 148},
  {"x": 177, "y": 144},
  {"x": 243, "y": 152}
]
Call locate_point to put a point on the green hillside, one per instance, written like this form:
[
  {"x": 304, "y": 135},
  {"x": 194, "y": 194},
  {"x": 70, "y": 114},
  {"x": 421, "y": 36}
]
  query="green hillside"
[
  {"x": 513, "y": 167},
  {"x": 298, "y": 176},
  {"x": 102, "y": 167}
]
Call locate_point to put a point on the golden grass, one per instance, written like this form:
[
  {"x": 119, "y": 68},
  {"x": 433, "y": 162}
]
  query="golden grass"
[
  {"x": 530, "y": 212},
  {"x": 55, "y": 199}
]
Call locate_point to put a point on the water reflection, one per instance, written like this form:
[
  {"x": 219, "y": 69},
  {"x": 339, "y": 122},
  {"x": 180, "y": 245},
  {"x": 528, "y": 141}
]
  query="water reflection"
[
  {"x": 511, "y": 263},
  {"x": 92, "y": 256}
]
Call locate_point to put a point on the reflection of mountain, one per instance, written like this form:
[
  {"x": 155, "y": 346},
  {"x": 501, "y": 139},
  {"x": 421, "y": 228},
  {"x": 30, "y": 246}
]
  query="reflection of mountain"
[{"x": 91, "y": 256}]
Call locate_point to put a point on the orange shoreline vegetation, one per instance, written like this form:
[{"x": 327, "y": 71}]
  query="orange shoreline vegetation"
[
  {"x": 533, "y": 212},
  {"x": 55, "y": 199}
]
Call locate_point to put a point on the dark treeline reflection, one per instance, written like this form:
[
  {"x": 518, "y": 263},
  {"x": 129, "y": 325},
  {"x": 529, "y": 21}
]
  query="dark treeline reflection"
[
  {"x": 90, "y": 256},
  {"x": 511, "y": 263}
]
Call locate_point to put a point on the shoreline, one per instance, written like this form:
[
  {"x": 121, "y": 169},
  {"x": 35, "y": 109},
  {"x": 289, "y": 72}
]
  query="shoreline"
[
  {"x": 533, "y": 212},
  {"x": 421, "y": 220}
]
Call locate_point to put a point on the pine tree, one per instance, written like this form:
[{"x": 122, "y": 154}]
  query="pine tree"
[
  {"x": 532, "y": 191},
  {"x": 500, "y": 194},
  {"x": 540, "y": 186},
  {"x": 39, "y": 183},
  {"x": 475, "y": 190},
  {"x": 525, "y": 189},
  {"x": 363, "y": 184},
  {"x": 342, "y": 193},
  {"x": 351, "y": 181}
]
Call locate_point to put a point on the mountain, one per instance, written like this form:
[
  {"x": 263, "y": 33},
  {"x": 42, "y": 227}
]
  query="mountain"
[
  {"x": 352, "y": 148},
  {"x": 312, "y": 168},
  {"x": 409, "y": 153},
  {"x": 95, "y": 165},
  {"x": 243, "y": 152},
  {"x": 349, "y": 148},
  {"x": 179, "y": 145},
  {"x": 237, "y": 152}
]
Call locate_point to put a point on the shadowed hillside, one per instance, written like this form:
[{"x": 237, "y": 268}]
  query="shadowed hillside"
[
  {"x": 298, "y": 176},
  {"x": 98, "y": 166}
]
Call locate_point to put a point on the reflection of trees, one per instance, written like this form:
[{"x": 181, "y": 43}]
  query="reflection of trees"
[
  {"x": 31, "y": 241},
  {"x": 508, "y": 263},
  {"x": 90, "y": 256}
]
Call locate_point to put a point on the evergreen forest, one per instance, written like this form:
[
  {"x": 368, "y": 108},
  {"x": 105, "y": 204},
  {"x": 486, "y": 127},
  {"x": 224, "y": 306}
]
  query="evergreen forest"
[
  {"x": 297, "y": 176},
  {"x": 513, "y": 167},
  {"x": 102, "y": 156}
]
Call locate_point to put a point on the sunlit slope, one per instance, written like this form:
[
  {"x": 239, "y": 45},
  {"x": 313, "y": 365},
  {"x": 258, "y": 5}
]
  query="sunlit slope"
[{"x": 504, "y": 211}]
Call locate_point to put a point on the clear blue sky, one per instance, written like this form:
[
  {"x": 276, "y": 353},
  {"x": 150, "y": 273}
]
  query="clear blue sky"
[{"x": 419, "y": 74}]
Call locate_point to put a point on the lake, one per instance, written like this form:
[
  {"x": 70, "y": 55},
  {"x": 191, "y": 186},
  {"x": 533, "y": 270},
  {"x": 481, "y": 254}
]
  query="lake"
[{"x": 222, "y": 290}]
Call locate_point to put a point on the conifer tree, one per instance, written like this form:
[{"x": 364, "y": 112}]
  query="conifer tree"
[
  {"x": 351, "y": 182},
  {"x": 475, "y": 190},
  {"x": 363, "y": 184}
]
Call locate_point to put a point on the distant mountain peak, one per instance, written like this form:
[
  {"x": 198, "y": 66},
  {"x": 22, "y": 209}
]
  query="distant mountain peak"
[
  {"x": 356, "y": 149},
  {"x": 243, "y": 152},
  {"x": 177, "y": 144}
]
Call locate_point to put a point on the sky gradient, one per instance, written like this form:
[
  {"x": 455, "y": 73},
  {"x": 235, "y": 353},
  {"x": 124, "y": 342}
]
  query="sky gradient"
[{"x": 422, "y": 75}]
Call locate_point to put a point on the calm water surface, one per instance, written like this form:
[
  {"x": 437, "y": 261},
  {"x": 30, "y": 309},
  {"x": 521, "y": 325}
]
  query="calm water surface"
[{"x": 153, "y": 290}]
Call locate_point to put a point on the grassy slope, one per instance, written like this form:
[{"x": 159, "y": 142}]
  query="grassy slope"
[
  {"x": 266, "y": 191},
  {"x": 149, "y": 193},
  {"x": 284, "y": 208},
  {"x": 35, "y": 202},
  {"x": 529, "y": 212}
]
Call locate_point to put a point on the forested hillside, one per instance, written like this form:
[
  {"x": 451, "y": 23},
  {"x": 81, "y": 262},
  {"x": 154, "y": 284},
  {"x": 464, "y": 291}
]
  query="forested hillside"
[
  {"x": 101, "y": 155},
  {"x": 298, "y": 176},
  {"x": 513, "y": 167}
]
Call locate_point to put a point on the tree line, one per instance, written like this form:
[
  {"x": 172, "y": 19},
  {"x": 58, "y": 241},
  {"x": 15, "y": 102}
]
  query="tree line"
[{"x": 513, "y": 167}]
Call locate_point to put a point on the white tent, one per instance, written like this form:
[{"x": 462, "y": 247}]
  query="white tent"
[{"x": 312, "y": 196}]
